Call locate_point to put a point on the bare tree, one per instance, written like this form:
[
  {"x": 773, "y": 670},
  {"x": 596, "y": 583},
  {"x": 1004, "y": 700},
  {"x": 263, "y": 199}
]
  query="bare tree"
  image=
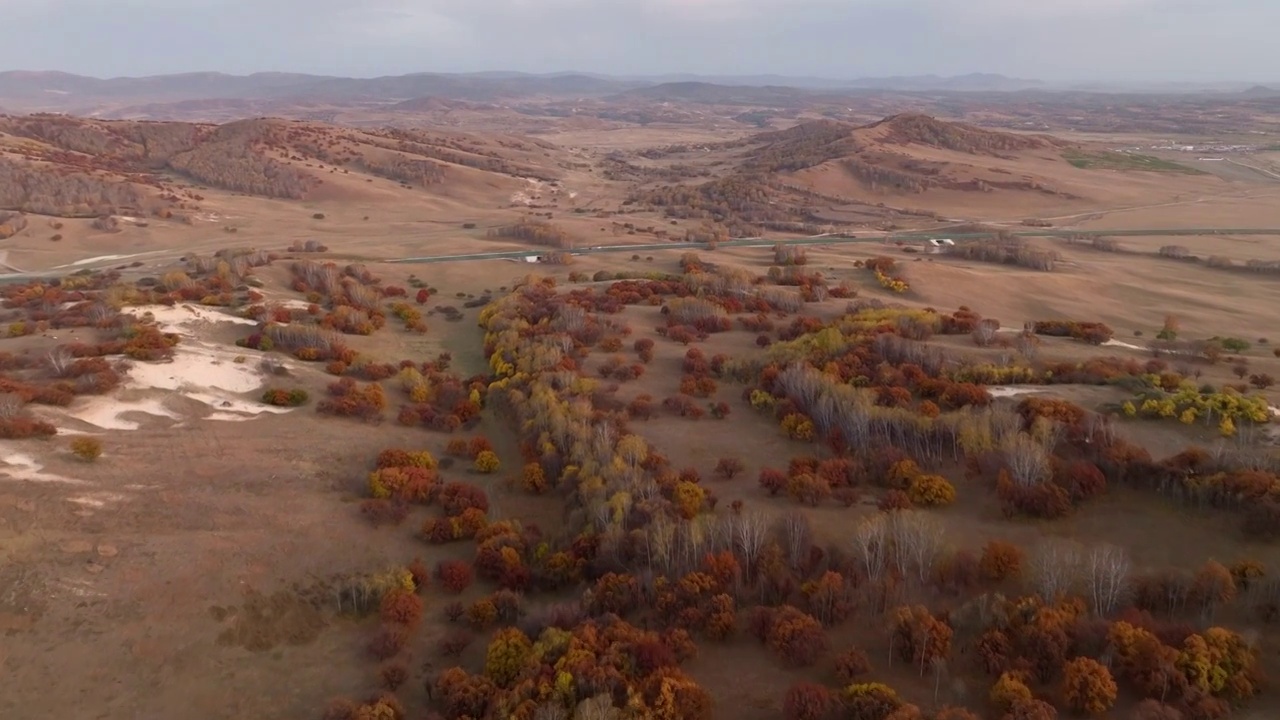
[
  {"x": 797, "y": 537},
  {"x": 598, "y": 707},
  {"x": 747, "y": 533},
  {"x": 984, "y": 334},
  {"x": 10, "y": 406},
  {"x": 694, "y": 538},
  {"x": 1106, "y": 571},
  {"x": 1028, "y": 345},
  {"x": 1048, "y": 432},
  {"x": 1027, "y": 460},
  {"x": 661, "y": 537},
  {"x": 1055, "y": 567},
  {"x": 916, "y": 540},
  {"x": 871, "y": 543},
  {"x": 60, "y": 361}
]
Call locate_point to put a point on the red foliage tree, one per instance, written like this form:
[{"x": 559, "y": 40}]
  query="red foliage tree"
[
  {"x": 795, "y": 637},
  {"x": 851, "y": 665},
  {"x": 454, "y": 575},
  {"x": 773, "y": 480},
  {"x": 1031, "y": 710},
  {"x": 402, "y": 607},
  {"x": 808, "y": 701}
]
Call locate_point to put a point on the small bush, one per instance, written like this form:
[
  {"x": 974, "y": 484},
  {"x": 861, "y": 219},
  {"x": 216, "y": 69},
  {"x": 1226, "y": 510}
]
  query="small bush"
[
  {"x": 296, "y": 397},
  {"x": 87, "y": 449},
  {"x": 487, "y": 462}
]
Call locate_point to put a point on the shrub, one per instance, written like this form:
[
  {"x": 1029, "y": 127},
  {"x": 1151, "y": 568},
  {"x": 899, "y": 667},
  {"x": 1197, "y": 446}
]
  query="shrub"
[
  {"x": 808, "y": 701},
  {"x": 87, "y": 449},
  {"x": 454, "y": 575},
  {"x": 1000, "y": 561},
  {"x": 392, "y": 676},
  {"x": 851, "y": 665},
  {"x": 285, "y": 398},
  {"x": 487, "y": 462},
  {"x": 398, "y": 458},
  {"x": 773, "y": 480},
  {"x": 482, "y": 614},
  {"x": 728, "y": 468},
  {"x": 389, "y": 641},
  {"x": 382, "y": 511},
  {"x": 534, "y": 479},
  {"x": 931, "y": 491},
  {"x": 455, "y": 641}
]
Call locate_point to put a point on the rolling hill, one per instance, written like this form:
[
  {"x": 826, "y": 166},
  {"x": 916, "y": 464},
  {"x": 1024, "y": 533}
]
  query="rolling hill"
[
  {"x": 73, "y": 167},
  {"x": 822, "y": 173}
]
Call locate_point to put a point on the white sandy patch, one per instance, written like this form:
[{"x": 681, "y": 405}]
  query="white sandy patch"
[
  {"x": 108, "y": 412},
  {"x": 227, "y": 417},
  {"x": 185, "y": 318},
  {"x": 78, "y": 588},
  {"x": 24, "y": 467},
  {"x": 1013, "y": 390},
  {"x": 202, "y": 371},
  {"x": 103, "y": 258},
  {"x": 1129, "y": 346},
  {"x": 97, "y": 499},
  {"x": 69, "y": 431}
]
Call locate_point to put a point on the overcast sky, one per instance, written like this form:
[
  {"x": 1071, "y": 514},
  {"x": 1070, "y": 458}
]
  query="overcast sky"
[{"x": 1197, "y": 40}]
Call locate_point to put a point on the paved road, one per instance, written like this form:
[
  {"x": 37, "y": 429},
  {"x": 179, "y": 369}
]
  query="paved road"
[
  {"x": 861, "y": 238},
  {"x": 832, "y": 240}
]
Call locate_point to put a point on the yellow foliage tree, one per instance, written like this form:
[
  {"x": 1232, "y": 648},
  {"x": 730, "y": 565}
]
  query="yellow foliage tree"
[
  {"x": 1008, "y": 691},
  {"x": 534, "y": 479},
  {"x": 1227, "y": 427},
  {"x": 688, "y": 499},
  {"x": 931, "y": 491},
  {"x": 487, "y": 462},
  {"x": 506, "y": 656}
]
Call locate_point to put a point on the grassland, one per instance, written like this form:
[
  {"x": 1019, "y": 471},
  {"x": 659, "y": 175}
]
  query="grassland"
[{"x": 1111, "y": 160}]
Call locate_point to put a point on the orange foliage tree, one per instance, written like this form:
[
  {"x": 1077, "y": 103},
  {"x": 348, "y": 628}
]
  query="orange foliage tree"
[{"x": 1088, "y": 687}]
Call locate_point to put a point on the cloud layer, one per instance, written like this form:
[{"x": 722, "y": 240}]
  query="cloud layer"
[{"x": 1051, "y": 39}]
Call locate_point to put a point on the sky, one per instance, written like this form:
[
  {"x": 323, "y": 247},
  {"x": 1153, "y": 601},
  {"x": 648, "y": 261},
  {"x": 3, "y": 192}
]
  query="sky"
[{"x": 1055, "y": 40}]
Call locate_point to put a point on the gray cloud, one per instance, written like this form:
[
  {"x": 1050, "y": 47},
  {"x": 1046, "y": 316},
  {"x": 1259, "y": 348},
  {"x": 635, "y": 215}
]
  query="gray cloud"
[{"x": 1052, "y": 39}]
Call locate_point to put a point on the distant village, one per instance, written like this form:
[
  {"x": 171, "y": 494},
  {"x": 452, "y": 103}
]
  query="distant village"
[{"x": 1202, "y": 149}]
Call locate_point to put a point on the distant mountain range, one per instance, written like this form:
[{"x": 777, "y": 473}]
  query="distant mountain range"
[{"x": 27, "y": 91}]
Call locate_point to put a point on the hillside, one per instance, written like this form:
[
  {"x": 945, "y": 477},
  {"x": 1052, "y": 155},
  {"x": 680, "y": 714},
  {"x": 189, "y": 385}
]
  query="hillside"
[
  {"x": 73, "y": 167},
  {"x": 829, "y": 173},
  {"x": 909, "y": 155}
]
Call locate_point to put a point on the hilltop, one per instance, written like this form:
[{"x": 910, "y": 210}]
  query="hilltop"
[{"x": 73, "y": 167}]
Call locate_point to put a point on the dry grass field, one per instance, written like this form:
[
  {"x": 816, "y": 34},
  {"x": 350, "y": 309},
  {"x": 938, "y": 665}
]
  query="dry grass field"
[{"x": 938, "y": 458}]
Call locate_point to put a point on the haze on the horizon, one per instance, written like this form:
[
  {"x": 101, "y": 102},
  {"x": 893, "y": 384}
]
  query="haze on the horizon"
[{"x": 1054, "y": 40}]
